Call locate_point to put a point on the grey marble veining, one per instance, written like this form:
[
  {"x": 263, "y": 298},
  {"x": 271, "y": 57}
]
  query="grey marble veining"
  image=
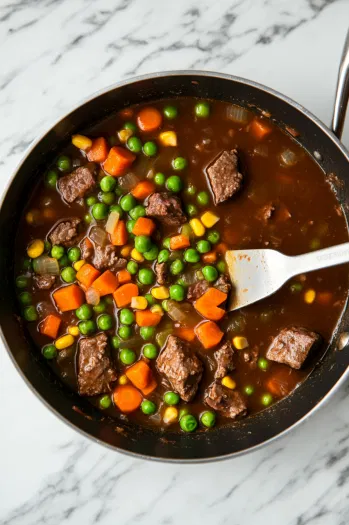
[{"x": 53, "y": 53}]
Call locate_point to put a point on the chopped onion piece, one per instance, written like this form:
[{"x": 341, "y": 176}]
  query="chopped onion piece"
[
  {"x": 289, "y": 158},
  {"x": 92, "y": 296},
  {"x": 182, "y": 313},
  {"x": 129, "y": 181},
  {"x": 261, "y": 150},
  {"x": 112, "y": 221},
  {"x": 45, "y": 265},
  {"x": 98, "y": 235},
  {"x": 238, "y": 114}
]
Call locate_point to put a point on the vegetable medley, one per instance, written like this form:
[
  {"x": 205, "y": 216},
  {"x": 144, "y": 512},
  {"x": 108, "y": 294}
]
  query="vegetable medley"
[{"x": 121, "y": 274}]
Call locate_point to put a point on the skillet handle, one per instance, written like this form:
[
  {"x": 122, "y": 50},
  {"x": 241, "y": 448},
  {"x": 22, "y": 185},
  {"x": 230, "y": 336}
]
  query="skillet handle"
[{"x": 342, "y": 93}]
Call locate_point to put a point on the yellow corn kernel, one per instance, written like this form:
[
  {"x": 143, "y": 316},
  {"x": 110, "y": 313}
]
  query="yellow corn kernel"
[
  {"x": 160, "y": 292},
  {"x": 240, "y": 342},
  {"x": 168, "y": 138},
  {"x": 33, "y": 216},
  {"x": 126, "y": 250},
  {"x": 170, "y": 415},
  {"x": 123, "y": 380},
  {"x": 81, "y": 142},
  {"x": 140, "y": 303},
  {"x": 73, "y": 330},
  {"x": 136, "y": 255},
  {"x": 209, "y": 219},
  {"x": 197, "y": 227},
  {"x": 78, "y": 264},
  {"x": 309, "y": 296},
  {"x": 36, "y": 248},
  {"x": 157, "y": 309},
  {"x": 229, "y": 382},
  {"x": 64, "y": 341},
  {"x": 125, "y": 134}
]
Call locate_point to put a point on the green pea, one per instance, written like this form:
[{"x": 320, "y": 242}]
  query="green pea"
[
  {"x": 30, "y": 313},
  {"x": 203, "y": 198},
  {"x": 171, "y": 398},
  {"x": 127, "y": 316},
  {"x": 159, "y": 179},
  {"x": 107, "y": 198},
  {"x": 64, "y": 261},
  {"x": 183, "y": 412},
  {"x": 146, "y": 276},
  {"x": 174, "y": 183},
  {"x": 51, "y": 179},
  {"x": 74, "y": 254},
  {"x": 108, "y": 183},
  {"x": 117, "y": 208},
  {"x": 57, "y": 252},
  {"x": 266, "y": 399},
  {"x": 150, "y": 299},
  {"x": 170, "y": 112},
  {"x": 263, "y": 363},
  {"x": 84, "y": 312},
  {"x": 100, "y": 211},
  {"x": 150, "y": 149},
  {"x": 142, "y": 243},
  {"x": 87, "y": 218},
  {"x": 87, "y": 327},
  {"x": 137, "y": 211},
  {"x": 208, "y": 419},
  {"x": 68, "y": 274},
  {"x": 166, "y": 243},
  {"x": 47, "y": 246},
  {"x": 177, "y": 267},
  {"x": 25, "y": 298},
  {"x": 190, "y": 190},
  {"x": 125, "y": 332},
  {"x": 192, "y": 210},
  {"x": 221, "y": 266},
  {"x": 115, "y": 341},
  {"x": 177, "y": 292},
  {"x": 296, "y": 287},
  {"x": 248, "y": 390},
  {"x": 213, "y": 237},
  {"x": 202, "y": 109},
  {"x": 191, "y": 255},
  {"x": 100, "y": 308},
  {"x": 22, "y": 281},
  {"x": 148, "y": 407},
  {"x": 119, "y": 191},
  {"x": 130, "y": 225},
  {"x": 151, "y": 254},
  {"x": 90, "y": 201},
  {"x": 203, "y": 246},
  {"x": 164, "y": 305},
  {"x": 105, "y": 402},
  {"x": 210, "y": 273},
  {"x": 63, "y": 163},
  {"x": 179, "y": 163},
  {"x": 132, "y": 267},
  {"x": 150, "y": 351},
  {"x": 27, "y": 264},
  {"x": 109, "y": 300},
  {"x": 105, "y": 322},
  {"x": 130, "y": 125},
  {"x": 188, "y": 423},
  {"x": 163, "y": 256},
  {"x": 127, "y": 202},
  {"x": 49, "y": 352},
  {"x": 182, "y": 282},
  {"x": 134, "y": 144},
  {"x": 127, "y": 356},
  {"x": 147, "y": 332}
]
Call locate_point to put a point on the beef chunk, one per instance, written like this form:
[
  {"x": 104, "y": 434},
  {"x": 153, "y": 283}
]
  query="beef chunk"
[
  {"x": 161, "y": 272},
  {"x": 224, "y": 176},
  {"x": 197, "y": 290},
  {"x": 181, "y": 366},
  {"x": 250, "y": 357},
  {"x": 96, "y": 370},
  {"x": 106, "y": 258},
  {"x": 86, "y": 248},
  {"x": 65, "y": 233},
  {"x": 77, "y": 183},
  {"x": 223, "y": 284},
  {"x": 292, "y": 346},
  {"x": 224, "y": 357},
  {"x": 44, "y": 282},
  {"x": 229, "y": 403},
  {"x": 166, "y": 208}
]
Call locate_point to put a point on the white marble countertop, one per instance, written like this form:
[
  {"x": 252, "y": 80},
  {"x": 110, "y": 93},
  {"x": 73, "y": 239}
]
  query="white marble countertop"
[{"x": 52, "y": 54}]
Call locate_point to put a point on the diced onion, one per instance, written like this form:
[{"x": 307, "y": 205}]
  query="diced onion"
[
  {"x": 238, "y": 114},
  {"x": 112, "y": 221},
  {"x": 261, "y": 150},
  {"x": 45, "y": 265},
  {"x": 289, "y": 158},
  {"x": 92, "y": 296},
  {"x": 182, "y": 313},
  {"x": 98, "y": 235},
  {"x": 129, "y": 181}
]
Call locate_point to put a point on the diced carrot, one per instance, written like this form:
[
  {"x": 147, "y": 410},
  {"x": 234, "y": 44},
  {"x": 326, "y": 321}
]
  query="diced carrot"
[
  {"x": 222, "y": 248},
  {"x": 139, "y": 374},
  {"x": 69, "y": 297},
  {"x": 118, "y": 160},
  {"x": 259, "y": 128},
  {"x": 143, "y": 189},
  {"x": 126, "y": 113},
  {"x": 127, "y": 398},
  {"x": 119, "y": 236},
  {"x": 209, "y": 257},
  {"x": 124, "y": 294},
  {"x": 208, "y": 334},
  {"x": 124, "y": 277},
  {"x": 207, "y": 304},
  {"x": 87, "y": 274},
  {"x": 106, "y": 283},
  {"x": 150, "y": 387},
  {"x": 144, "y": 226},
  {"x": 179, "y": 242},
  {"x": 98, "y": 151},
  {"x": 149, "y": 119},
  {"x": 281, "y": 382},
  {"x": 147, "y": 318},
  {"x": 185, "y": 333},
  {"x": 50, "y": 326},
  {"x": 324, "y": 298}
]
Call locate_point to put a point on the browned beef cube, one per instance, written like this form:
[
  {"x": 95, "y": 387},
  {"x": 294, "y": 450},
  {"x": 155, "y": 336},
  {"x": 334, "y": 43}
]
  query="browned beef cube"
[
  {"x": 223, "y": 284},
  {"x": 224, "y": 176},
  {"x": 224, "y": 357},
  {"x": 161, "y": 272},
  {"x": 292, "y": 346},
  {"x": 181, "y": 366},
  {"x": 95, "y": 369},
  {"x": 166, "y": 208},
  {"x": 65, "y": 232},
  {"x": 77, "y": 183},
  {"x": 197, "y": 290},
  {"x": 105, "y": 258},
  {"x": 44, "y": 282},
  {"x": 229, "y": 403},
  {"x": 250, "y": 357}
]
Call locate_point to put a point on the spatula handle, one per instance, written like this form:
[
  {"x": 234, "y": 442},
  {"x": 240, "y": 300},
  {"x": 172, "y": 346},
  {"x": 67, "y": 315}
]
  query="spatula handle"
[{"x": 319, "y": 259}]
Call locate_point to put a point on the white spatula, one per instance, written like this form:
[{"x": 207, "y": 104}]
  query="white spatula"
[{"x": 255, "y": 274}]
